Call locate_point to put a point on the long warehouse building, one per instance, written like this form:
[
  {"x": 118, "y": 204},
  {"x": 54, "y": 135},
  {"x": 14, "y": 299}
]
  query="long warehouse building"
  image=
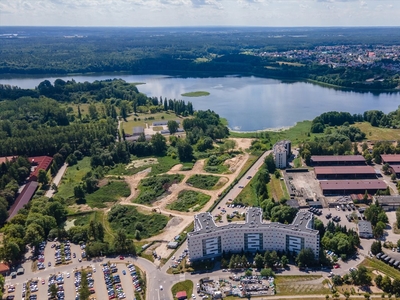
[
  {"x": 209, "y": 240},
  {"x": 337, "y": 160},
  {"x": 345, "y": 172},
  {"x": 347, "y": 187}
]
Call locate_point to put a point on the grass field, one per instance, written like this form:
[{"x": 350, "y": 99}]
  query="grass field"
[
  {"x": 141, "y": 122},
  {"x": 290, "y": 63},
  {"x": 165, "y": 163},
  {"x": 110, "y": 192},
  {"x": 297, "y": 285},
  {"x": 153, "y": 187},
  {"x": 247, "y": 196},
  {"x": 186, "y": 286},
  {"x": 276, "y": 189},
  {"x": 377, "y": 133},
  {"x": 196, "y": 94},
  {"x": 131, "y": 220},
  {"x": 98, "y": 216},
  {"x": 73, "y": 177},
  {"x": 204, "y": 182},
  {"x": 375, "y": 264},
  {"x": 189, "y": 200}
]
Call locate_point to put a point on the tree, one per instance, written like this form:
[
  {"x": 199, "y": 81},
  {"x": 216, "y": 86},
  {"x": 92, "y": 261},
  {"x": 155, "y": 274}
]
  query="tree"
[
  {"x": 379, "y": 229},
  {"x": 267, "y": 272},
  {"x": 53, "y": 291},
  {"x": 84, "y": 292},
  {"x": 248, "y": 272},
  {"x": 363, "y": 277},
  {"x": 284, "y": 261},
  {"x": 378, "y": 280},
  {"x": 172, "y": 126},
  {"x": 159, "y": 143},
  {"x": 259, "y": 261},
  {"x": 337, "y": 280},
  {"x": 42, "y": 177},
  {"x": 305, "y": 258},
  {"x": 270, "y": 163},
  {"x": 396, "y": 286},
  {"x": 386, "y": 284},
  {"x": 376, "y": 247},
  {"x": 79, "y": 193},
  {"x": 185, "y": 150}
]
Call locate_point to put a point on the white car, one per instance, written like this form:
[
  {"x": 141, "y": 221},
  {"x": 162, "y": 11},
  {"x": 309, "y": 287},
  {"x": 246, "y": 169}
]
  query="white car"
[{"x": 161, "y": 288}]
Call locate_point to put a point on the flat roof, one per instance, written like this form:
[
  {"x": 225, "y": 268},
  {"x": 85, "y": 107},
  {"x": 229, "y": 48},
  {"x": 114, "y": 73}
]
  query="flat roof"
[
  {"x": 204, "y": 222},
  {"x": 353, "y": 184},
  {"x": 138, "y": 129},
  {"x": 23, "y": 198},
  {"x": 337, "y": 158},
  {"x": 396, "y": 168},
  {"x": 364, "y": 226},
  {"x": 388, "y": 158},
  {"x": 344, "y": 170},
  {"x": 388, "y": 200}
]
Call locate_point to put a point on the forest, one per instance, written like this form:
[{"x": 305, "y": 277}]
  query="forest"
[{"x": 191, "y": 51}]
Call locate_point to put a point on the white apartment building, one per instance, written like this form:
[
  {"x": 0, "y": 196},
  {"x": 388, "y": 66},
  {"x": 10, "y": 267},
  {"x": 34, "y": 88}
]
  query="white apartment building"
[
  {"x": 282, "y": 151},
  {"x": 209, "y": 240}
]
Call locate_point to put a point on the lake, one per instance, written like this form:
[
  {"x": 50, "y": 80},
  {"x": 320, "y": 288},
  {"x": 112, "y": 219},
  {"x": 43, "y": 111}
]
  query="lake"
[{"x": 248, "y": 103}]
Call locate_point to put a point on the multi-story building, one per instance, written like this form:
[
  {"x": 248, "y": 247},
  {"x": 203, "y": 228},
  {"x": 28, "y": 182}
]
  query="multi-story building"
[
  {"x": 209, "y": 240},
  {"x": 282, "y": 151}
]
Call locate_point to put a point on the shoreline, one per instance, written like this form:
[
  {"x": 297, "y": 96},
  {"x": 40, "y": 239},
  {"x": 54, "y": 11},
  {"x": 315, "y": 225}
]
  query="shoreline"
[{"x": 277, "y": 129}]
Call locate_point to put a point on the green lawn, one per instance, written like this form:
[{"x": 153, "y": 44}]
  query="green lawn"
[
  {"x": 73, "y": 177},
  {"x": 153, "y": 187},
  {"x": 186, "y": 286},
  {"x": 131, "y": 220},
  {"x": 204, "y": 182},
  {"x": 196, "y": 94},
  {"x": 247, "y": 196},
  {"x": 276, "y": 190},
  {"x": 188, "y": 200},
  {"x": 375, "y": 264},
  {"x": 297, "y": 285},
  {"x": 110, "y": 192},
  {"x": 165, "y": 163},
  {"x": 377, "y": 133}
]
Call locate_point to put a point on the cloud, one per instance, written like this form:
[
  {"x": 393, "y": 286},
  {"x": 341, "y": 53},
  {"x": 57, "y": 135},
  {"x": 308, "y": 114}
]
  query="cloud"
[{"x": 209, "y": 3}]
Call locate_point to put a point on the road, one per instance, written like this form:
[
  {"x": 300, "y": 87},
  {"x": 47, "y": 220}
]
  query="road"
[{"x": 57, "y": 180}]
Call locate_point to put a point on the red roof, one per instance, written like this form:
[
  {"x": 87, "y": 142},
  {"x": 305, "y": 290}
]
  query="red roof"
[
  {"x": 42, "y": 163},
  {"x": 344, "y": 170},
  {"x": 4, "y": 268},
  {"x": 353, "y": 184},
  {"x": 390, "y": 158},
  {"x": 337, "y": 158},
  {"x": 181, "y": 295},
  {"x": 396, "y": 168},
  {"x": 7, "y": 158},
  {"x": 23, "y": 198}
]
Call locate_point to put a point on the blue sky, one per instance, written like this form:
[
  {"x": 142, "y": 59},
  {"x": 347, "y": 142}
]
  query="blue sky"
[{"x": 200, "y": 12}]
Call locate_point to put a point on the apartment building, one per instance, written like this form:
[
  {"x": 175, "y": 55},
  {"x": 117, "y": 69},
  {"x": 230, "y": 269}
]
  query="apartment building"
[
  {"x": 282, "y": 151},
  {"x": 209, "y": 240}
]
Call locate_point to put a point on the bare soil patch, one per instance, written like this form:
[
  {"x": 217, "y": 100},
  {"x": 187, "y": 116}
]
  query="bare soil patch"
[
  {"x": 242, "y": 143},
  {"x": 234, "y": 162},
  {"x": 141, "y": 162}
]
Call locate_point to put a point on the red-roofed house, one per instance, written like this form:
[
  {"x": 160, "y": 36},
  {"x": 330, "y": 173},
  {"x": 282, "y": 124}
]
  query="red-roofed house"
[
  {"x": 181, "y": 295},
  {"x": 4, "y": 269},
  {"x": 41, "y": 163}
]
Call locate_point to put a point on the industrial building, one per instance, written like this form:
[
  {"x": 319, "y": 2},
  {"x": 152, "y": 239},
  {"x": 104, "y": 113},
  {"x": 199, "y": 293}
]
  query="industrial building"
[
  {"x": 395, "y": 169},
  {"x": 137, "y": 131},
  {"x": 23, "y": 198},
  {"x": 365, "y": 229},
  {"x": 337, "y": 160},
  {"x": 39, "y": 163},
  {"x": 388, "y": 203},
  {"x": 282, "y": 151},
  {"x": 391, "y": 159},
  {"x": 209, "y": 240},
  {"x": 346, "y": 187},
  {"x": 345, "y": 172}
]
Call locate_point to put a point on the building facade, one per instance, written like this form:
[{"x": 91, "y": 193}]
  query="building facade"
[
  {"x": 209, "y": 240},
  {"x": 282, "y": 151}
]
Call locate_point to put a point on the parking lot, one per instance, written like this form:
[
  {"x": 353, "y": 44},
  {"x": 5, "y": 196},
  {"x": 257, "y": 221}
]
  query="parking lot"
[
  {"x": 228, "y": 209},
  {"x": 305, "y": 185},
  {"x": 338, "y": 213}
]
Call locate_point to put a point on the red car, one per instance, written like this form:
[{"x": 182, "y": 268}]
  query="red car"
[
  {"x": 336, "y": 266},
  {"x": 121, "y": 257}
]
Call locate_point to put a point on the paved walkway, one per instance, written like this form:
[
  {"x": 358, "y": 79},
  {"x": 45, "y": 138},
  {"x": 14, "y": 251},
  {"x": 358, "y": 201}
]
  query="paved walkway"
[{"x": 56, "y": 180}]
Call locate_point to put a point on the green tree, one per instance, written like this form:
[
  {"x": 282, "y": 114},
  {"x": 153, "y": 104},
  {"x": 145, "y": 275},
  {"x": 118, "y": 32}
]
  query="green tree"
[
  {"x": 379, "y": 229},
  {"x": 42, "y": 177},
  {"x": 378, "y": 280},
  {"x": 267, "y": 272},
  {"x": 305, "y": 258},
  {"x": 259, "y": 261},
  {"x": 270, "y": 163},
  {"x": 185, "y": 150},
  {"x": 159, "y": 143},
  {"x": 363, "y": 278},
  {"x": 84, "y": 291},
  {"x": 386, "y": 284},
  {"x": 53, "y": 291},
  {"x": 284, "y": 261},
  {"x": 172, "y": 126},
  {"x": 376, "y": 247}
]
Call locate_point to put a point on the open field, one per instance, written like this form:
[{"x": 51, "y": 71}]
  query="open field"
[
  {"x": 111, "y": 192},
  {"x": 377, "y": 133},
  {"x": 129, "y": 219},
  {"x": 276, "y": 189},
  {"x": 374, "y": 264},
  {"x": 189, "y": 200},
  {"x": 195, "y": 94},
  {"x": 247, "y": 196},
  {"x": 72, "y": 177},
  {"x": 140, "y": 120},
  {"x": 290, "y": 63},
  {"x": 204, "y": 182},
  {"x": 300, "y": 285},
  {"x": 186, "y": 286}
]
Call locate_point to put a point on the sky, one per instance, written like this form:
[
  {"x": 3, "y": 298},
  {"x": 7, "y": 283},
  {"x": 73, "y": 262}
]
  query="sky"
[{"x": 160, "y": 13}]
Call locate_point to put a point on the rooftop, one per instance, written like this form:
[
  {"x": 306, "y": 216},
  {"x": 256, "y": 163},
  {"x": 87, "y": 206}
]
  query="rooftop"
[
  {"x": 7, "y": 158},
  {"x": 364, "y": 226},
  {"x": 344, "y": 170},
  {"x": 396, "y": 168},
  {"x": 353, "y": 184},
  {"x": 337, "y": 158},
  {"x": 204, "y": 223},
  {"x": 388, "y": 200},
  {"x": 23, "y": 198},
  {"x": 390, "y": 158}
]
